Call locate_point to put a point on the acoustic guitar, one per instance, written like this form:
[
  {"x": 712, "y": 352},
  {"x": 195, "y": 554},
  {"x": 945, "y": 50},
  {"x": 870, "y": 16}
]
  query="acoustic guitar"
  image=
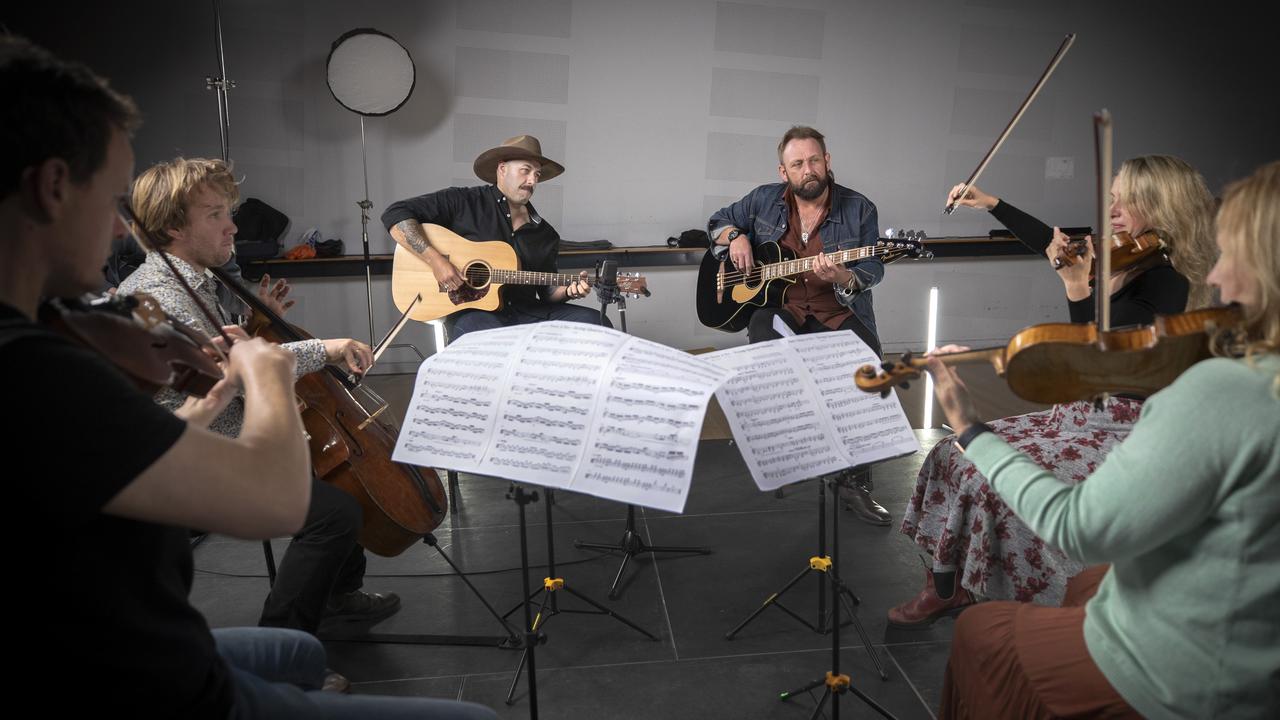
[
  {"x": 726, "y": 296},
  {"x": 485, "y": 267}
]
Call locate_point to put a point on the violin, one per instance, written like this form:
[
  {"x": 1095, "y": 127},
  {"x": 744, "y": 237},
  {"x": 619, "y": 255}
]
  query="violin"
[
  {"x": 351, "y": 445},
  {"x": 139, "y": 338},
  {"x": 1126, "y": 251},
  {"x": 1065, "y": 362}
]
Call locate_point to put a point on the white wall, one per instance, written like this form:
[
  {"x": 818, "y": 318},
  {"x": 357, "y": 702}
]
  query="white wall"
[{"x": 664, "y": 110}]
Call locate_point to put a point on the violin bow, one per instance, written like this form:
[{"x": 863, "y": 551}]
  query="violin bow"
[
  {"x": 1044, "y": 77},
  {"x": 1102, "y": 244}
]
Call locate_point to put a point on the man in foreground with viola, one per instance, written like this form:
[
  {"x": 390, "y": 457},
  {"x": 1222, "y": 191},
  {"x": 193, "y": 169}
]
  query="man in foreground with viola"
[
  {"x": 184, "y": 207},
  {"x": 498, "y": 211},
  {"x": 809, "y": 214},
  {"x": 1186, "y": 509},
  {"x": 117, "y": 479}
]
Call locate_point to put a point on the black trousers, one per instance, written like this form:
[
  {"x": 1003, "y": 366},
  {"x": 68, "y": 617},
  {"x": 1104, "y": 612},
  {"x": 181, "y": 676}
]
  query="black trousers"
[
  {"x": 760, "y": 328},
  {"x": 323, "y": 559}
]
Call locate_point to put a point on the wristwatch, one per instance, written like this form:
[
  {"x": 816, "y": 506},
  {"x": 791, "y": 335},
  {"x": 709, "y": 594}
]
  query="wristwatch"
[
  {"x": 973, "y": 431},
  {"x": 732, "y": 234}
]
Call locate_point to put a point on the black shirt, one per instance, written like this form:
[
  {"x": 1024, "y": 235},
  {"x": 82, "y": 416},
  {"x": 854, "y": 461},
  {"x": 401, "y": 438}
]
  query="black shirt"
[
  {"x": 1159, "y": 290},
  {"x": 481, "y": 213},
  {"x": 104, "y": 621}
]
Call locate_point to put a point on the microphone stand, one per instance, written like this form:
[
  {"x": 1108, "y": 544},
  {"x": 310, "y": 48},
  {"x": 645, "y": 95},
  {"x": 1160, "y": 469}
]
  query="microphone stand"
[{"x": 632, "y": 543}]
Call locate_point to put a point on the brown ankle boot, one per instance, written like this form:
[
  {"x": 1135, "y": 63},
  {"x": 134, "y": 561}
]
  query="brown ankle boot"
[{"x": 926, "y": 607}]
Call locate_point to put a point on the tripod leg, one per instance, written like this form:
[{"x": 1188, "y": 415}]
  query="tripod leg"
[
  {"x": 513, "y": 636},
  {"x": 806, "y": 688},
  {"x": 862, "y": 633},
  {"x": 767, "y": 602},
  {"x": 822, "y": 701},
  {"x": 515, "y": 680},
  {"x": 872, "y": 703},
  {"x": 609, "y": 612},
  {"x": 613, "y": 589}
]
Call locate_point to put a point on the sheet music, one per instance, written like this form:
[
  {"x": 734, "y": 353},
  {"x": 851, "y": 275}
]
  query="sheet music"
[
  {"x": 796, "y": 413},
  {"x": 645, "y": 435},
  {"x": 870, "y": 428},
  {"x": 563, "y": 405},
  {"x": 772, "y": 406}
]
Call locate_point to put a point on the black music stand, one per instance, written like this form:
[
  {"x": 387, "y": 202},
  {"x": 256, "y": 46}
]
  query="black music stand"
[
  {"x": 550, "y": 606},
  {"x": 836, "y": 684},
  {"x": 632, "y": 543},
  {"x": 825, "y": 569}
]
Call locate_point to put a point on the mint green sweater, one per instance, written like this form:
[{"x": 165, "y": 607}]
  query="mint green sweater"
[{"x": 1187, "y": 510}]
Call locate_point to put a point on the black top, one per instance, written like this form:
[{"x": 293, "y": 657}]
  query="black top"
[
  {"x": 1159, "y": 290},
  {"x": 104, "y": 598},
  {"x": 481, "y": 213}
]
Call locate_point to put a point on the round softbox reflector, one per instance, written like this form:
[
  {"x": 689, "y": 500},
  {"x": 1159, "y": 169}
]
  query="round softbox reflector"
[{"x": 369, "y": 72}]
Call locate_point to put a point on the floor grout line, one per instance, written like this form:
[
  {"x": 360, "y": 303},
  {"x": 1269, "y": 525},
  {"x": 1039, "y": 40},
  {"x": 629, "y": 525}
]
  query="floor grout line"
[{"x": 910, "y": 684}]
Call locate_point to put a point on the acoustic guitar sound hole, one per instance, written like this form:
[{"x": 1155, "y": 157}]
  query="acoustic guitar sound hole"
[{"x": 478, "y": 275}]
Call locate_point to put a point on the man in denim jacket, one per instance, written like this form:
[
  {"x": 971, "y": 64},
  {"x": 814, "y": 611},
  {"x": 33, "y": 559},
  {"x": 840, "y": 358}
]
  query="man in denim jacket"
[{"x": 810, "y": 215}]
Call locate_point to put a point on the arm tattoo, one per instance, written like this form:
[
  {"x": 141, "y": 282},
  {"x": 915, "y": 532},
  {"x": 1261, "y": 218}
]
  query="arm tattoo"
[{"x": 413, "y": 235}]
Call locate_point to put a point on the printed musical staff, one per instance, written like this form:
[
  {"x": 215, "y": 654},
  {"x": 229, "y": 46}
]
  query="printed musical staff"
[
  {"x": 796, "y": 413},
  {"x": 564, "y": 405}
]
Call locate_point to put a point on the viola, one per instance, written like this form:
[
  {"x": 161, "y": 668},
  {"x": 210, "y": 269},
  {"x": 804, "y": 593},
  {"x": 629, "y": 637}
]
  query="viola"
[
  {"x": 139, "y": 338},
  {"x": 351, "y": 445},
  {"x": 1066, "y": 362}
]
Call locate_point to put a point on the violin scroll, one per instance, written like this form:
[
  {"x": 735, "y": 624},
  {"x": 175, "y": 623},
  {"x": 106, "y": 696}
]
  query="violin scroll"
[{"x": 890, "y": 375}]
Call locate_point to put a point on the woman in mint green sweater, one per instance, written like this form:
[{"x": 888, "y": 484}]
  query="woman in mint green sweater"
[{"x": 1186, "y": 623}]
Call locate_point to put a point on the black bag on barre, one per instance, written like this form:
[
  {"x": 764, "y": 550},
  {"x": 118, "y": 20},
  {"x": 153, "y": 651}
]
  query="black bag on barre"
[
  {"x": 691, "y": 239},
  {"x": 260, "y": 227}
]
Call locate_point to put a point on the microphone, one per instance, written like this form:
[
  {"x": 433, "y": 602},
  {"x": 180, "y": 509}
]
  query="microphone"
[
  {"x": 607, "y": 281},
  {"x": 607, "y": 277}
]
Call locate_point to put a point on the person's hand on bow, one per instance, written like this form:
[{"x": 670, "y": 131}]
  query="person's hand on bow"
[{"x": 355, "y": 355}]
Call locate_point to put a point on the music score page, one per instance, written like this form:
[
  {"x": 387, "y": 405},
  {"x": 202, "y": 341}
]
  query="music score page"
[
  {"x": 563, "y": 405},
  {"x": 796, "y": 414}
]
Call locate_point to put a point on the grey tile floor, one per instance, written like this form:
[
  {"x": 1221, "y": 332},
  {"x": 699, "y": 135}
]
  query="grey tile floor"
[{"x": 593, "y": 666}]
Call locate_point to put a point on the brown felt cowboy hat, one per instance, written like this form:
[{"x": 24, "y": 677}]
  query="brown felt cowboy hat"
[{"x": 520, "y": 147}]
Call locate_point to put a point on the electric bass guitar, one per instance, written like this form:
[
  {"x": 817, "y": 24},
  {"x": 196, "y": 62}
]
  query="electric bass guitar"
[
  {"x": 726, "y": 296},
  {"x": 484, "y": 266}
]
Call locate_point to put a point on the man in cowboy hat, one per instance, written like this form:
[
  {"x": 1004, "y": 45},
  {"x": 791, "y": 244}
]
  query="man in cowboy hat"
[{"x": 499, "y": 210}]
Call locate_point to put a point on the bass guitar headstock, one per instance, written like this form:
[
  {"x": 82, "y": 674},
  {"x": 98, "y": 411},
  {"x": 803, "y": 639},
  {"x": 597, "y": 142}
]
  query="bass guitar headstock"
[
  {"x": 890, "y": 375},
  {"x": 898, "y": 244}
]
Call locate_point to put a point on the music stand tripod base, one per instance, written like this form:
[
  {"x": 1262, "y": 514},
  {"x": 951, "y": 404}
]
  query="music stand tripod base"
[
  {"x": 834, "y": 682},
  {"x": 633, "y": 544},
  {"x": 549, "y": 607},
  {"x": 840, "y": 592}
]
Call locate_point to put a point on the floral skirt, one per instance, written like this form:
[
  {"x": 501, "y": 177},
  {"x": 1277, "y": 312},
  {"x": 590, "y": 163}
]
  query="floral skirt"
[{"x": 957, "y": 517}]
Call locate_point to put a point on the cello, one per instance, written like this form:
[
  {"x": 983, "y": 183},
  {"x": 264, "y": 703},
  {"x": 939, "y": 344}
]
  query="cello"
[{"x": 351, "y": 445}]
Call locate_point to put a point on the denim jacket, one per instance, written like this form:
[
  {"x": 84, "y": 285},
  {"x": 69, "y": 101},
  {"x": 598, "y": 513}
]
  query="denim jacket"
[{"x": 852, "y": 223}]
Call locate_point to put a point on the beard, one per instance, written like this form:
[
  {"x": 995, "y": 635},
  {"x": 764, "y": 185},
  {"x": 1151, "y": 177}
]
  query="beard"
[{"x": 811, "y": 187}]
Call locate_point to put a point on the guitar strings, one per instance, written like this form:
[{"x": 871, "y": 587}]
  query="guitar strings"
[{"x": 738, "y": 277}]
